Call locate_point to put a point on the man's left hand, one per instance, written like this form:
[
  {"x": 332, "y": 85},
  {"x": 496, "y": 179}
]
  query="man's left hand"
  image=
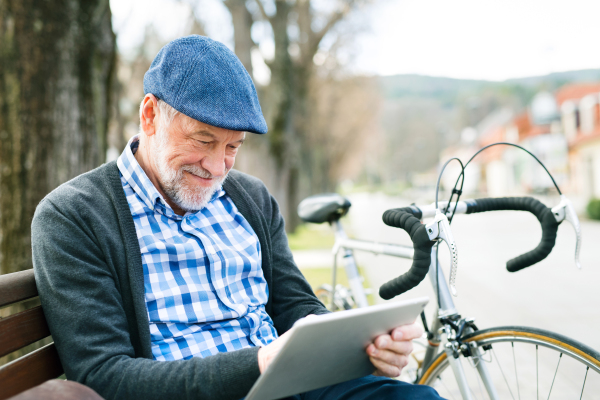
[{"x": 389, "y": 353}]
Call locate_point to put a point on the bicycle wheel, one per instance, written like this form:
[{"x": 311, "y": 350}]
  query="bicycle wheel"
[
  {"x": 343, "y": 300},
  {"x": 524, "y": 363}
]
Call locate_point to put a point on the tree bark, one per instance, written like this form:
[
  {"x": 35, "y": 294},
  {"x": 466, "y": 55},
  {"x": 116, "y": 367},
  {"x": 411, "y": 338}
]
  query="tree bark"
[
  {"x": 56, "y": 64},
  {"x": 288, "y": 95},
  {"x": 242, "y": 39}
]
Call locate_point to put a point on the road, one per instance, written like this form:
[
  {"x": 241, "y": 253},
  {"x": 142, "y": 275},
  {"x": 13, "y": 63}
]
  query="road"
[{"x": 552, "y": 294}]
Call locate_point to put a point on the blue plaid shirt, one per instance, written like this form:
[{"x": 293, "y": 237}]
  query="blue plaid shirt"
[{"x": 204, "y": 285}]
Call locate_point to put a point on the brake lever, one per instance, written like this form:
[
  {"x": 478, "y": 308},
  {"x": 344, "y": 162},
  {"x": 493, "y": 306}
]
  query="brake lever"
[
  {"x": 565, "y": 210},
  {"x": 439, "y": 229}
]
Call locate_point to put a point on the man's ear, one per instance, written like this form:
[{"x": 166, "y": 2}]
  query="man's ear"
[{"x": 149, "y": 114}]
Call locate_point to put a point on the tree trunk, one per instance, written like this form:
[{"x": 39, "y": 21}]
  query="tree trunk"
[
  {"x": 283, "y": 140},
  {"x": 242, "y": 39},
  {"x": 56, "y": 64},
  {"x": 287, "y": 97}
]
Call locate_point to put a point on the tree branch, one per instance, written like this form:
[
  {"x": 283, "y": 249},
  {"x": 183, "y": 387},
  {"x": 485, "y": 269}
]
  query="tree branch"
[
  {"x": 262, "y": 10},
  {"x": 333, "y": 20}
]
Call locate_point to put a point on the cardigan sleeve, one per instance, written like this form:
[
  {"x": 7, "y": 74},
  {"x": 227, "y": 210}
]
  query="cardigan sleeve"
[{"x": 83, "y": 306}]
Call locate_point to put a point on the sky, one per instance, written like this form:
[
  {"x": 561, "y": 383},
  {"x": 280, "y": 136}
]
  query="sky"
[{"x": 469, "y": 39}]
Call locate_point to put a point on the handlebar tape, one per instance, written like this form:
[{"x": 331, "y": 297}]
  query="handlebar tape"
[
  {"x": 405, "y": 219},
  {"x": 541, "y": 212}
]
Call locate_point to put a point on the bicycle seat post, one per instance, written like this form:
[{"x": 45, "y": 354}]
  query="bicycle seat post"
[{"x": 354, "y": 278}]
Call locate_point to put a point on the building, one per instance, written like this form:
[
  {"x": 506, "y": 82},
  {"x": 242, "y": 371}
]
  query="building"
[
  {"x": 561, "y": 129},
  {"x": 580, "y": 117},
  {"x": 508, "y": 171}
]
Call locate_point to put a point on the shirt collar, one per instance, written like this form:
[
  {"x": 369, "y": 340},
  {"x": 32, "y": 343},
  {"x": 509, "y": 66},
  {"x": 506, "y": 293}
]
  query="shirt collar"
[{"x": 136, "y": 177}]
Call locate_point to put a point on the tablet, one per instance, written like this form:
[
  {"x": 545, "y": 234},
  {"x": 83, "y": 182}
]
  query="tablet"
[{"x": 330, "y": 349}]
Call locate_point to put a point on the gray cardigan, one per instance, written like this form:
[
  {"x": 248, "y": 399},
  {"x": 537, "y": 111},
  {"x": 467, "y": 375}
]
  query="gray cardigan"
[{"x": 89, "y": 274}]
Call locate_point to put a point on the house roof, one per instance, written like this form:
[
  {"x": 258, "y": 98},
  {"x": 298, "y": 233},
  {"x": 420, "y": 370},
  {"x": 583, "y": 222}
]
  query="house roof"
[
  {"x": 492, "y": 136},
  {"x": 576, "y": 91},
  {"x": 523, "y": 123},
  {"x": 582, "y": 140}
]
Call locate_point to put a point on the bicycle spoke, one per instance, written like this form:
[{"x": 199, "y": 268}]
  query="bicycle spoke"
[
  {"x": 502, "y": 371},
  {"x": 555, "y": 372},
  {"x": 471, "y": 390},
  {"x": 584, "y": 379},
  {"x": 446, "y": 387},
  {"x": 478, "y": 378},
  {"x": 537, "y": 374},
  {"x": 538, "y": 354},
  {"x": 516, "y": 375}
]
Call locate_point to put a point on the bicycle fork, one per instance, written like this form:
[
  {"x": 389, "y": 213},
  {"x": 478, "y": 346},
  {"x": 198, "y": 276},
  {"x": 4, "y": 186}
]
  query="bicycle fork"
[{"x": 446, "y": 311}]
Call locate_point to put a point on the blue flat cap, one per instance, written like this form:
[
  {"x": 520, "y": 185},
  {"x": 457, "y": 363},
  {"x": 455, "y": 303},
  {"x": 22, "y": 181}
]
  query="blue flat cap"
[{"x": 203, "y": 79}]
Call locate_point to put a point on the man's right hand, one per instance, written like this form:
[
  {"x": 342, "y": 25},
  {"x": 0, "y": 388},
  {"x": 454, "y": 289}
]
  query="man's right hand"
[{"x": 267, "y": 354}]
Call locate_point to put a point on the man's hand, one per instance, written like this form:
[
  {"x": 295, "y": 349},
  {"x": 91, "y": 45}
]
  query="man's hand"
[
  {"x": 389, "y": 353},
  {"x": 267, "y": 353}
]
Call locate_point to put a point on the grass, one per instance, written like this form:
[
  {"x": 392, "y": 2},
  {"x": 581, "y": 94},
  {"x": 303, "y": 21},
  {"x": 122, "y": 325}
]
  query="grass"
[
  {"x": 318, "y": 276},
  {"x": 312, "y": 236}
]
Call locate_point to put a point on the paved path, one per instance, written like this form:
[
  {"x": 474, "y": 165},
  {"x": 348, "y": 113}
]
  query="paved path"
[
  {"x": 313, "y": 258},
  {"x": 552, "y": 295}
]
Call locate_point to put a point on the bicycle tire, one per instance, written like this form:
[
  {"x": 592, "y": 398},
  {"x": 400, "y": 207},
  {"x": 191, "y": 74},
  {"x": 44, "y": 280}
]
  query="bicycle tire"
[{"x": 579, "y": 379}]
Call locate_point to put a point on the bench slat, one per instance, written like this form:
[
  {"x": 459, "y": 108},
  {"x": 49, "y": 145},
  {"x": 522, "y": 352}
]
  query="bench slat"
[
  {"x": 19, "y": 330},
  {"x": 16, "y": 287},
  {"x": 29, "y": 371}
]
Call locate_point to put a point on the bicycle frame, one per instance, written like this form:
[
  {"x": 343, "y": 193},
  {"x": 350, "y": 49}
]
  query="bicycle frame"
[{"x": 445, "y": 309}]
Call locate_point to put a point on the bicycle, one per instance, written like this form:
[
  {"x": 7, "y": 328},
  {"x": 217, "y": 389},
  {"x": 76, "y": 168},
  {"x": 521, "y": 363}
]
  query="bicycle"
[{"x": 461, "y": 360}]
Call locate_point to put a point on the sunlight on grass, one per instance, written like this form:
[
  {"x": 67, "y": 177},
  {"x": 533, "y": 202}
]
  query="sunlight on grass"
[
  {"x": 318, "y": 276},
  {"x": 311, "y": 236}
]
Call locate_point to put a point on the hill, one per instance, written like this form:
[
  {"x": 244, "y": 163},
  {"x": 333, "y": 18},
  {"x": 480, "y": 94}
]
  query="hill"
[
  {"x": 412, "y": 85},
  {"x": 421, "y": 115}
]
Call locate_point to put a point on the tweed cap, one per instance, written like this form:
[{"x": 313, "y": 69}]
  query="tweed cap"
[{"x": 203, "y": 79}]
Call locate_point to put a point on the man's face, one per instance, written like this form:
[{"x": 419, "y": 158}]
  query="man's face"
[{"x": 192, "y": 159}]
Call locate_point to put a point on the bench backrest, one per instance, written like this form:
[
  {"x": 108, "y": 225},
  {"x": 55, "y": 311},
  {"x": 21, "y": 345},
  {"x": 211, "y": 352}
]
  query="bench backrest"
[{"x": 19, "y": 330}]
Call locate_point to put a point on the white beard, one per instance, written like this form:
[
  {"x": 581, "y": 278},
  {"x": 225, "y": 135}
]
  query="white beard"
[{"x": 185, "y": 196}]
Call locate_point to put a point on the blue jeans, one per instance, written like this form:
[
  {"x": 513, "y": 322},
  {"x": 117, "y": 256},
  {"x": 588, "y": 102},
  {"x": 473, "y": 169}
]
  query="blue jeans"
[{"x": 370, "y": 388}]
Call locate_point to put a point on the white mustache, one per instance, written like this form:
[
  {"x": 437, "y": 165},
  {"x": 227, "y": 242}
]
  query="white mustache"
[{"x": 199, "y": 171}]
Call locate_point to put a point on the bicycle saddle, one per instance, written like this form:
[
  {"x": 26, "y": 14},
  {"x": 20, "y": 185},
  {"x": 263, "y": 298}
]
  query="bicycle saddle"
[{"x": 326, "y": 207}]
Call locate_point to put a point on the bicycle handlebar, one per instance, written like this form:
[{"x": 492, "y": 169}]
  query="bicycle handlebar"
[
  {"x": 408, "y": 218},
  {"x": 541, "y": 212},
  {"x": 405, "y": 219}
]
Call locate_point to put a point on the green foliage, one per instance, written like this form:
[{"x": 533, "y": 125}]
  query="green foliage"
[
  {"x": 311, "y": 236},
  {"x": 593, "y": 209},
  {"x": 318, "y": 276}
]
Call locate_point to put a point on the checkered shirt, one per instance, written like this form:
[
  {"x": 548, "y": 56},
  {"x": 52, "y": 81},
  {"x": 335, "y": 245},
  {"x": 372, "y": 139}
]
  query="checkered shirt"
[{"x": 204, "y": 286}]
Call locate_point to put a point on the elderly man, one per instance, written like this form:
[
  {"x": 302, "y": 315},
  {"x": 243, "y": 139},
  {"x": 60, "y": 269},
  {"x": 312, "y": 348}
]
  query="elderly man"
[{"x": 167, "y": 274}]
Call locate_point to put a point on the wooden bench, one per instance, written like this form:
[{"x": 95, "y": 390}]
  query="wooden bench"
[{"x": 32, "y": 375}]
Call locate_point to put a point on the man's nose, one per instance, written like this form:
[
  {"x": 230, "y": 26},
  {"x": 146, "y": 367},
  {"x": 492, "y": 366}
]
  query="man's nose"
[{"x": 215, "y": 163}]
